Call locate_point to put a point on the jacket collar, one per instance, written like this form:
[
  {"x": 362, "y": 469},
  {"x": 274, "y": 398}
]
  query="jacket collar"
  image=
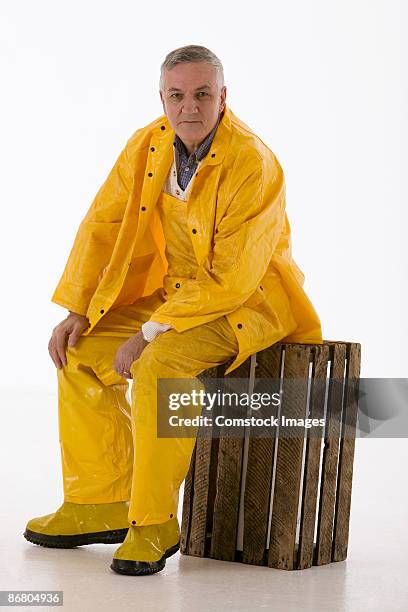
[
  {"x": 165, "y": 134},
  {"x": 161, "y": 156},
  {"x": 203, "y": 147}
]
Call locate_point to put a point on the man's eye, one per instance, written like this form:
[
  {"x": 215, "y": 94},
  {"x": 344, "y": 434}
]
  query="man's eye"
[{"x": 204, "y": 93}]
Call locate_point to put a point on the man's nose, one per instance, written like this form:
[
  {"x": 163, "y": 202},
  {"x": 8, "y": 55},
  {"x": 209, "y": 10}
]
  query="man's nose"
[{"x": 190, "y": 107}]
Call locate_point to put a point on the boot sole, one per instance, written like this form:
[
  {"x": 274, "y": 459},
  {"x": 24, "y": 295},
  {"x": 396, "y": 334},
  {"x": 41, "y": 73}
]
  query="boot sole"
[
  {"x": 142, "y": 568},
  {"x": 115, "y": 536}
]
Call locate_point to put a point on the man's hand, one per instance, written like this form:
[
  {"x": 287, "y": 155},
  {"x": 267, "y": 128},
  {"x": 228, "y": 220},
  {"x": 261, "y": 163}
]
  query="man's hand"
[
  {"x": 69, "y": 329},
  {"x": 128, "y": 353}
]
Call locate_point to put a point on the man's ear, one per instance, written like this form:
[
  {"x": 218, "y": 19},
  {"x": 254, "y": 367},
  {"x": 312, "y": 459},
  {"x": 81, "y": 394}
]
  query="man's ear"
[
  {"x": 162, "y": 100},
  {"x": 223, "y": 96}
]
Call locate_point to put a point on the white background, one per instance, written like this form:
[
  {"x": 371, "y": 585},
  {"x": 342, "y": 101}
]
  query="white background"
[{"x": 320, "y": 82}]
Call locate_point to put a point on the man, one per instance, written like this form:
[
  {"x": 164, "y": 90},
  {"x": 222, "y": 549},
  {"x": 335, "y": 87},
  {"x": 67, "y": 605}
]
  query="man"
[{"x": 182, "y": 262}]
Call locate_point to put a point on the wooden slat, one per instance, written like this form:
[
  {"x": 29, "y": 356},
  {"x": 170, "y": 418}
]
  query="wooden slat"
[
  {"x": 187, "y": 506},
  {"x": 226, "y": 503},
  {"x": 198, "y": 529},
  {"x": 312, "y": 459},
  {"x": 330, "y": 456},
  {"x": 202, "y": 479},
  {"x": 289, "y": 462},
  {"x": 347, "y": 443},
  {"x": 189, "y": 497},
  {"x": 259, "y": 469},
  {"x": 212, "y": 489}
]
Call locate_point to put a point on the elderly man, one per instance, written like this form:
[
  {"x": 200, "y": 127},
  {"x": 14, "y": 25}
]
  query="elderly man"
[{"x": 182, "y": 262}]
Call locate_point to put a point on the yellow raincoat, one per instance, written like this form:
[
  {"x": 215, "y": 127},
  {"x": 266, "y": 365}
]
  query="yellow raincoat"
[{"x": 239, "y": 230}]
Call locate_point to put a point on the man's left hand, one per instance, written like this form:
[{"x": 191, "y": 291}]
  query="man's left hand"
[{"x": 128, "y": 353}]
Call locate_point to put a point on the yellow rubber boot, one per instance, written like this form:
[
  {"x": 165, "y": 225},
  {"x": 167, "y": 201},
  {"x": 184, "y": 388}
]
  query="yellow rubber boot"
[
  {"x": 78, "y": 524},
  {"x": 146, "y": 548}
]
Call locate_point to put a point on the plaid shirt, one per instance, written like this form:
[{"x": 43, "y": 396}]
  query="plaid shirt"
[{"x": 186, "y": 165}]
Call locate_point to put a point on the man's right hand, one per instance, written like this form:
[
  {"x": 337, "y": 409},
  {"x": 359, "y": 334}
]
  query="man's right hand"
[{"x": 69, "y": 329}]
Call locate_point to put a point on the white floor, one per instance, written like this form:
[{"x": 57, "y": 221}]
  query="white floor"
[{"x": 374, "y": 577}]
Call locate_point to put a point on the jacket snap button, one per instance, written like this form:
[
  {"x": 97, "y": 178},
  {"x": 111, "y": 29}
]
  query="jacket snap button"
[
  {"x": 102, "y": 311},
  {"x": 260, "y": 286},
  {"x": 143, "y": 207},
  {"x": 177, "y": 285},
  {"x": 239, "y": 325},
  {"x": 133, "y": 522},
  {"x": 171, "y": 516},
  {"x": 152, "y": 149},
  {"x": 212, "y": 154},
  {"x": 150, "y": 174},
  {"x": 162, "y": 127},
  {"x": 194, "y": 230}
]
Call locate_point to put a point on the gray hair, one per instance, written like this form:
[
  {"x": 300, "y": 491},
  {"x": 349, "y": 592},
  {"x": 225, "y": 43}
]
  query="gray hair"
[{"x": 191, "y": 53}]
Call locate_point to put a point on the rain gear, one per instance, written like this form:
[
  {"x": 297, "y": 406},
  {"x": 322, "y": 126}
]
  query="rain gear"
[
  {"x": 78, "y": 524},
  {"x": 217, "y": 268},
  {"x": 110, "y": 449},
  {"x": 146, "y": 549},
  {"x": 240, "y": 237}
]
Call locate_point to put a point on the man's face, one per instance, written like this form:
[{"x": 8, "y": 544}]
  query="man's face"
[{"x": 192, "y": 100}]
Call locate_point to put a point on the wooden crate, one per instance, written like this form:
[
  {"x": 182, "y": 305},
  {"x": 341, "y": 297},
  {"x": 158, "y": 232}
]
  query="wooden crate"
[{"x": 280, "y": 502}]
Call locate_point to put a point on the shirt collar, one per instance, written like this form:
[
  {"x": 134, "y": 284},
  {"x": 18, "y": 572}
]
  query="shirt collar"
[{"x": 202, "y": 148}]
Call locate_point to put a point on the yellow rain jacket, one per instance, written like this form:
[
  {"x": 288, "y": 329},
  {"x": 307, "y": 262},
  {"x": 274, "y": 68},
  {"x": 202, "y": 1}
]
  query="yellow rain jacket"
[{"x": 240, "y": 235}]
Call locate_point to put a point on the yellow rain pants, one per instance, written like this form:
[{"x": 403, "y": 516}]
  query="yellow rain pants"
[{"x": 110, "y": 451}]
